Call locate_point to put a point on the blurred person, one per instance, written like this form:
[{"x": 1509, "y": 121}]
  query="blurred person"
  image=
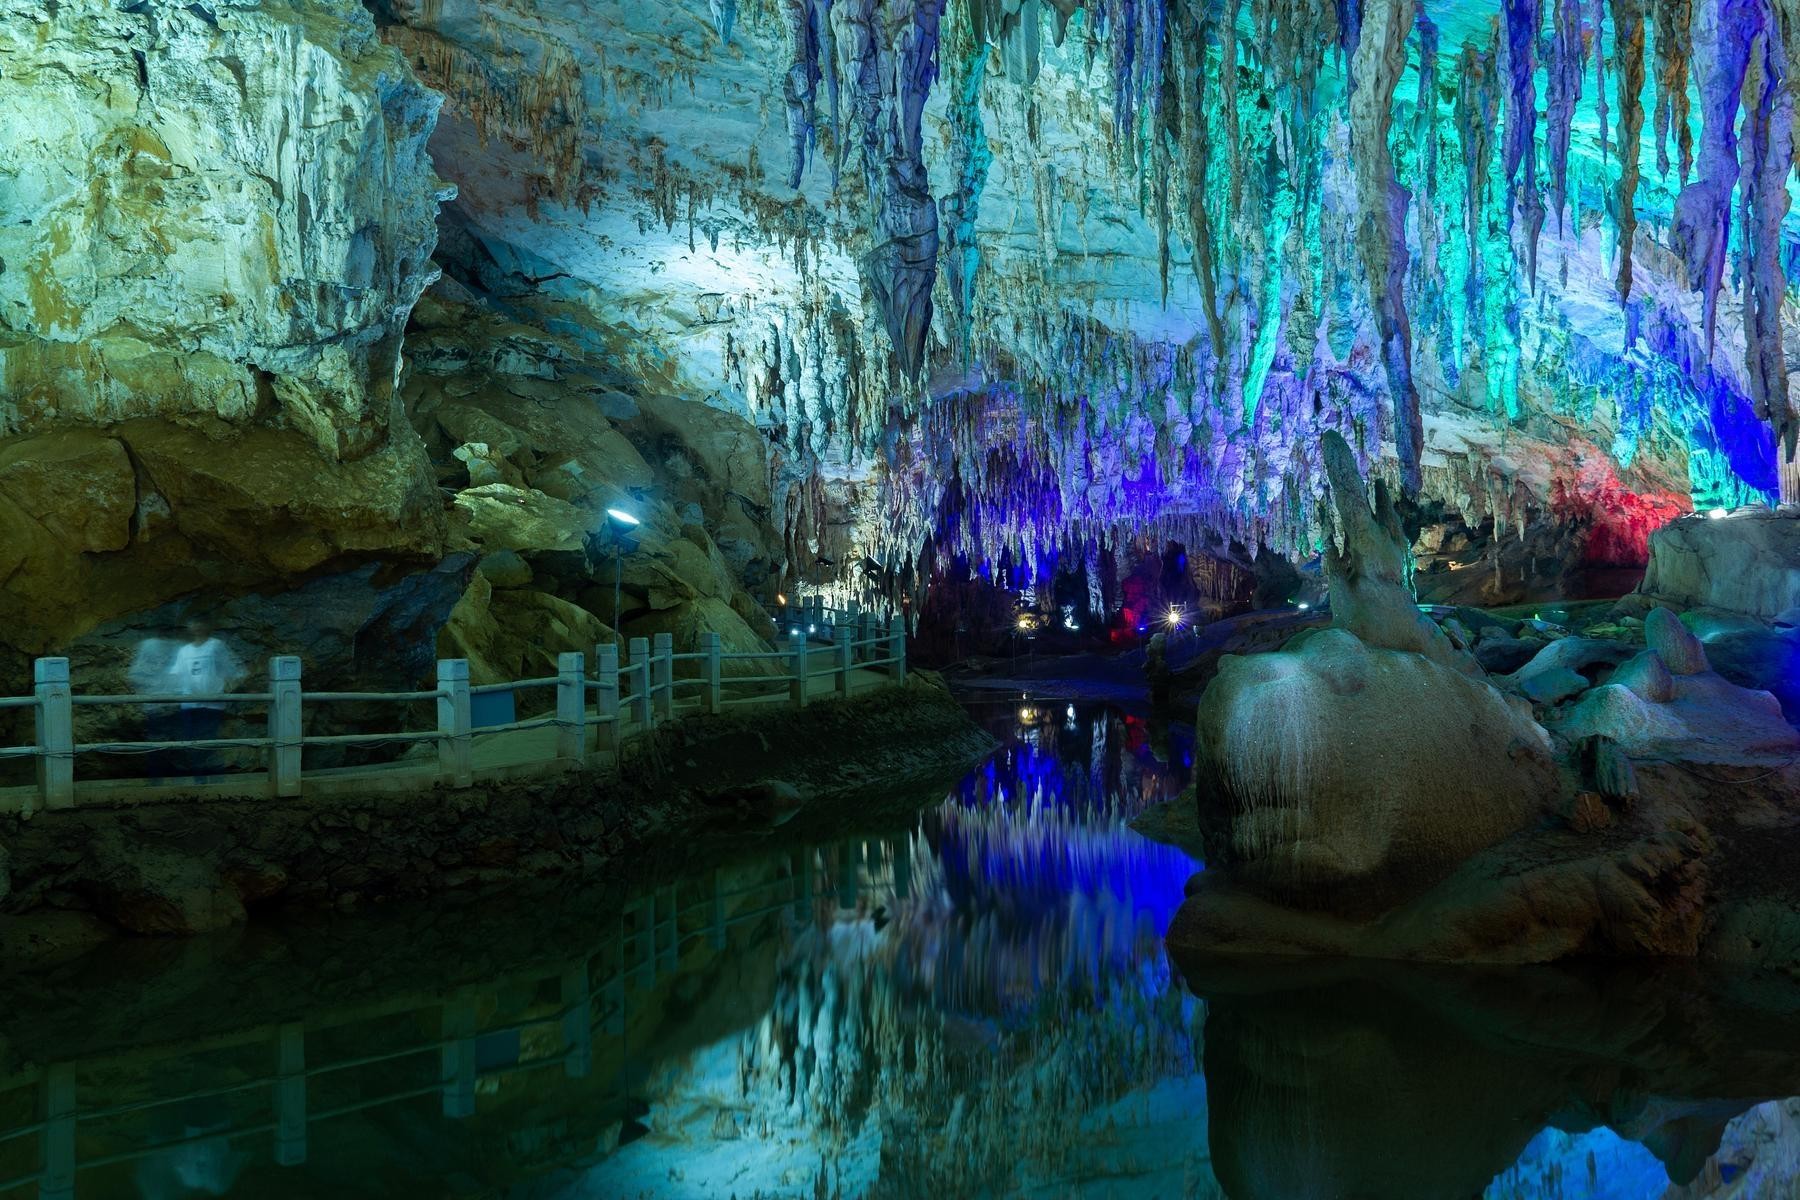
[
  {"x": 149, "y": 675},
  {"x": 203, "y": 666}
]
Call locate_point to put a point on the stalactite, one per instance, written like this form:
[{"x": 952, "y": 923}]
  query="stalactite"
[
  {"x": 1768, "y": 141},
  {"x": 1524, "y": 19},
  {"x": 1375, "y": 72},
  {"x": 1565, "y": 94},
  {"x": 1598, "y": 50},
  {"x": 1228, "y": 95},
  {"x": 802, "y": 84},
  {"x": 970, "y": 159},
  {"x": 1196, "y": 159},
  {"x": 890, "y": 50},
  {"x": 1628, "y": 39},
  {"x": 1673, "y": 19},
  {"x": 1476, "y": 117},
  {"x": 1724, "y": 33},
  {"x": 724, "y": 15}
]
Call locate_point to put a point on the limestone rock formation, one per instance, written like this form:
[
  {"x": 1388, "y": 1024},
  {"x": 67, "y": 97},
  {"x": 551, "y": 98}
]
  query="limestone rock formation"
[
  {"x": 1748, "y": 562},
  {"x": 1370, "y": 569},
  {"x": 1668, "y": 703},
  {"x": 215, "y": 220},
  {"x": 1372, "y": 753},
  {"x": 99, "y": 523},
  {"x": 537, "y": 443},
  {"x": 219, "y": 211},
  {"x": 1345, "y": 763}
]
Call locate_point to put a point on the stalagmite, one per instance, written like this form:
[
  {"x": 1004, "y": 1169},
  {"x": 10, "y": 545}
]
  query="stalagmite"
[{"x": 1375, "y": 72}]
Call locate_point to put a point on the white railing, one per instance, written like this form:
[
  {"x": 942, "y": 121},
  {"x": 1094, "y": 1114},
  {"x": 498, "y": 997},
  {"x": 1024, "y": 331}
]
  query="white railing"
[
  {"x": 307, "y": 1083},
  {"x": 592, "y": 713}
]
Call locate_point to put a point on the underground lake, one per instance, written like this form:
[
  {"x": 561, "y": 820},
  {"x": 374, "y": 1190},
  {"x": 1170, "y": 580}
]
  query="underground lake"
[{"x": 966, "y": 993}]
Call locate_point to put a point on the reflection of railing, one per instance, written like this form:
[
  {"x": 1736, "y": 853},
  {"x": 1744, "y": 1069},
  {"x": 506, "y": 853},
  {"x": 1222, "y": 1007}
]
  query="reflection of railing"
[
  {"x": 615, "y": 700},
  {"x": 594, "y": 993}
]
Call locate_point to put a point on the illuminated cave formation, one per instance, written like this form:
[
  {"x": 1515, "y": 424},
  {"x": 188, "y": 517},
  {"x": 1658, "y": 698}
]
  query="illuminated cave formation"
[{"x": 1045, "y": 276}]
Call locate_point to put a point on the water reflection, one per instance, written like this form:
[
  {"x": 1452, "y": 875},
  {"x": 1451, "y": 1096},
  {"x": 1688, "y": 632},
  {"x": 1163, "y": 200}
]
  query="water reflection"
[
  {"x": 976, "y": 1004},
  {"x": 1369, "y": 1080}
]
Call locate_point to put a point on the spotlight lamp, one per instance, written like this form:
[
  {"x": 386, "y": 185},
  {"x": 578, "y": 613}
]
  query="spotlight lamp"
[
  {"x": 622, "y": 517},
  {"x": 1174, "y": 618}
]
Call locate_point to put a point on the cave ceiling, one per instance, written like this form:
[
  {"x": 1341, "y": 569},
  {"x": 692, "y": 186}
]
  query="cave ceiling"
[{"x": 1029, "y": 275}]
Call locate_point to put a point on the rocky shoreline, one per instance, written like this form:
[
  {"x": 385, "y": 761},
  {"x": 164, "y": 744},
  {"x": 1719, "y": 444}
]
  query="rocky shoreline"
[{"x": 83, "y": 874}]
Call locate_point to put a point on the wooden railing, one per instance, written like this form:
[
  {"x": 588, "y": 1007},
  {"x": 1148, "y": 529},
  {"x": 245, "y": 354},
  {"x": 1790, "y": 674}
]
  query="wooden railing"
[{"x": 592, "y": 713}]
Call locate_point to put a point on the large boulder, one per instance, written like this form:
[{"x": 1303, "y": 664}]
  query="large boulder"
[
  {"x": 1373, "y": 753},
  {"x": 1747, "y": 562},
  {"x": 1335, "y": 762}
]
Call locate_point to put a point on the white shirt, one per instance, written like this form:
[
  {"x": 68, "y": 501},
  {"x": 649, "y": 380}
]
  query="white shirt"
[{"x": 205, "y": 669}]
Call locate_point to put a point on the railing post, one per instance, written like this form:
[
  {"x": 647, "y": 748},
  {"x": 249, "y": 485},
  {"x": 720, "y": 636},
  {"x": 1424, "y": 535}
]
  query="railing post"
[
  {"x": 797, "y": 668},
  {"x": 571, "y": 705},
  {"x": 606, "y": 670},
  {"x": 662, "y": 660},
  {"x": 639, "y": 668},
  {"x": 844, "y": 639},
  {"x": 897, "y": 647},
  {"x": 865, "y": 634},
  {"x": 58, "y": 1180},
  {"x": 284, "y": 725},
  {"x": 715, "y": 683},
  {"x": 715, "y": 924},
  {"x": 456, "y": 1067},
  {"x": 817, "y": 617},
  {"x": 454, "y": 764},
  {"x": 577, "y": 1021},
  {"x": 290, "y": 1094},
  {"x": 55, "y": 733}
]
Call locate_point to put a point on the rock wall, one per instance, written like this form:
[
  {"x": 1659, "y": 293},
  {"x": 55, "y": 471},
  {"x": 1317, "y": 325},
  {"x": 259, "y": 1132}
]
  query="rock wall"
[
  {"x": 209, "y": 211},
  {"x": 214, "y": 221}
]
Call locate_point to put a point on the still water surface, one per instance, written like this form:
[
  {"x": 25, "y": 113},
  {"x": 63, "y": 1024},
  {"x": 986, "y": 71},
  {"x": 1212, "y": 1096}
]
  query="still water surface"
[{"x": 972, "y": 999}]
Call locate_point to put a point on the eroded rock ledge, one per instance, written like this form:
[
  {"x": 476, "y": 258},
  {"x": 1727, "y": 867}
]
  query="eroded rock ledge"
[{"x": 188, "y": 867}]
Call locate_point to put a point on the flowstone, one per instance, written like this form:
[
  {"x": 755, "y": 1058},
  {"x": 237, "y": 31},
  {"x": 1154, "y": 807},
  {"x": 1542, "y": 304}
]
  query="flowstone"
[{"x": 1373, "y": 752}]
